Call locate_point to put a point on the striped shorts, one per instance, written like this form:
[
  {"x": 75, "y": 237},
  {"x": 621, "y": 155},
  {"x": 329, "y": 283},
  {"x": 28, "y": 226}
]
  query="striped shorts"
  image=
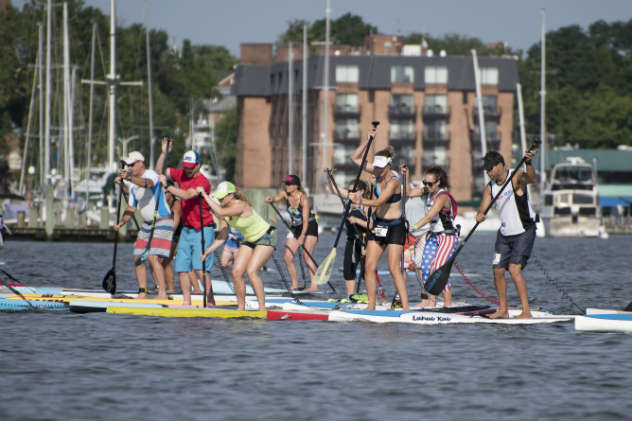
[
  {"x": 160, "y": 242},
  {"x": 437, "y": 251}
]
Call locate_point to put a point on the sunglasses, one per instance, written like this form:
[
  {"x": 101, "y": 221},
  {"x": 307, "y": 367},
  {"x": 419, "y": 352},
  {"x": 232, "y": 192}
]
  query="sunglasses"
[{"x": 429, "y": 183}]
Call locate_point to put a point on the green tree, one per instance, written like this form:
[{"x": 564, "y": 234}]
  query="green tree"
[{"x": 348, "y": 29}]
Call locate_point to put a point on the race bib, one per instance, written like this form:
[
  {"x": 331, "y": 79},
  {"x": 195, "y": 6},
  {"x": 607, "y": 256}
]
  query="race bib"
[
  {"x": 497, "y": 257},
  {"x": 381, "y": 231}
]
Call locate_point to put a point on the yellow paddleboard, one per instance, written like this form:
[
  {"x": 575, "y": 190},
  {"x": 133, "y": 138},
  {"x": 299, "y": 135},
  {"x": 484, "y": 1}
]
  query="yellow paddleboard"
[
  {"x": 187, "y": 312},
  {"x": 67, "y": 298}
]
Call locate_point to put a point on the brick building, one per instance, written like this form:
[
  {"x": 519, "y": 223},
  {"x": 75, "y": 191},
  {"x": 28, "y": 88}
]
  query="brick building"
[{"x": 426, "y": 106}]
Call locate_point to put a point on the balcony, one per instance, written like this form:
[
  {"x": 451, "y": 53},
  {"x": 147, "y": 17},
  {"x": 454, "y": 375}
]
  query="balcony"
[
  {"x": 436, "y": 112},
  {"x": 403, "y": 138},
  {"x": 346, "y": 136},
  {"x": 434, "y": 161},
  {"x": 493, "y": 141},
  {"x": 491, "y": 112},
  {"x": 434, "y": 137},
  {"x": 347, "y": 111},
  {"x": 401, "y": 111}
]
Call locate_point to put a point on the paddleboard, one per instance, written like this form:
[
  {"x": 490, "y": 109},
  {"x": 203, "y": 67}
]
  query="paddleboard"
[
  {"x": 281, "y": 315},
  {"x": 612, "y": 322},
  {"x": 196, "y": 300},
  {"x": 435, "y": 318},
  {"x": 187, "y": 312}
]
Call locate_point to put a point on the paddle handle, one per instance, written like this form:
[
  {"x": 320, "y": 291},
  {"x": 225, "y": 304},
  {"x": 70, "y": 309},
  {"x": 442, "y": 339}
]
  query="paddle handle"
[{"x": 355, "y": 184}]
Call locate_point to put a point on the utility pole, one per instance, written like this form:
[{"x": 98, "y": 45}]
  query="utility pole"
[{"x": 543, "y": 102}]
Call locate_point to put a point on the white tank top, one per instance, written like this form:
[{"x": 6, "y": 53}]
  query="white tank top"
[
  {"x": 511, "y": 224},
  {"x": 436, "y": 225}
]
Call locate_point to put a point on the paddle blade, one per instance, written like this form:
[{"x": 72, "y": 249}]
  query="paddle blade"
[
  {"x": 323, "y": 273},
  {"x": 438, "y": 279},
  {"x": 109, "y": 282}
]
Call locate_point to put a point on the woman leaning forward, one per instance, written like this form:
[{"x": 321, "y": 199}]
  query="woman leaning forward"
[{"x": 258, "y": 244}]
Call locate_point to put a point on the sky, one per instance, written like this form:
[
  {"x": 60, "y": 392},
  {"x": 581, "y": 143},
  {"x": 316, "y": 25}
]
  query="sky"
[{"x": 229, "y": 23}]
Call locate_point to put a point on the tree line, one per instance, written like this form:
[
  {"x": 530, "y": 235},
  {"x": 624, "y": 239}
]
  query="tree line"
[{"x": 589, "y": 77}]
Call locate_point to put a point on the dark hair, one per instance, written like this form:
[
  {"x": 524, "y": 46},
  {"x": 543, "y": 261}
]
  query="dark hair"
[
  {"x": 439, "y": 174},
  {"x": 492, "y": 158},
  {"x": 362, "y": 185},
  {"x": 388, "y": 152}
]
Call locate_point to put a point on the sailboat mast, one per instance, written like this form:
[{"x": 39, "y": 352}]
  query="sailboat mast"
[
  {"x": 40, "y": 55},
  {"x": 290, "y": 108},
  {"x": 304, "y": 109},
  {"x": 111, "y": 80},
  {"x": 90, "y": 113},
  {"x": 481, "y": 111},
  {"x": 149, "y": 94},
  {"x": 543, "y": 150},
  {"x": 324, "y": 141},
  {"x": 48, "y": 87}
]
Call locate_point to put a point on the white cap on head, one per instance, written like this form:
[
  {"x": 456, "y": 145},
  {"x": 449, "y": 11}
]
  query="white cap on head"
[
  {"x": 381, "y": 161},
  {"x": 133, "y": 157}
]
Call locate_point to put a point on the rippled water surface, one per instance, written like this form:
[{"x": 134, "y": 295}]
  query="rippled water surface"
[{"x": 68, "y": 366}]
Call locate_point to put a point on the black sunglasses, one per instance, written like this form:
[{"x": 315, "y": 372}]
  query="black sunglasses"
[{"x": 429, "y": 183}]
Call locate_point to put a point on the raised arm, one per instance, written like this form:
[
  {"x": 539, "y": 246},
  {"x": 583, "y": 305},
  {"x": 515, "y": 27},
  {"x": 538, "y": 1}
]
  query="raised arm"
[
  {"x": 358, "y": 153},
  {"x": 236, "y": 207},
  {"x": 277, "y": 197},
  {"x": 160, "y": 162}
]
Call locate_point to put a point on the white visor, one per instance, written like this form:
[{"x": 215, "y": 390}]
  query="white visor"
[{"x": 381, "y": 161}]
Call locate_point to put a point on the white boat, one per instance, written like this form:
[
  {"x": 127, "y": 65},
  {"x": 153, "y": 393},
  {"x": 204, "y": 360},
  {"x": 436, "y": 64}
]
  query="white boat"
[
  {"x": 599, "y": 320},
  {"x": 571, "y": 203}
]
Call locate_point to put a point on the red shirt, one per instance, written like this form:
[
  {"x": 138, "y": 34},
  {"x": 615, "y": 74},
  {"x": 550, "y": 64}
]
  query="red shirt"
[{"x": 191, "y": 208}]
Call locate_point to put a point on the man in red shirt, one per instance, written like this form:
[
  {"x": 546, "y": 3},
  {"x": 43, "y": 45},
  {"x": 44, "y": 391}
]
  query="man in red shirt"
[{"x": 190, "y": 244}]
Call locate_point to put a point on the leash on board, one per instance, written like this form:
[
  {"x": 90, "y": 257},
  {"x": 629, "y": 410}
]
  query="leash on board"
[
  {"x": 556, "y": 284},
  {"x": 478, "y": 291}
]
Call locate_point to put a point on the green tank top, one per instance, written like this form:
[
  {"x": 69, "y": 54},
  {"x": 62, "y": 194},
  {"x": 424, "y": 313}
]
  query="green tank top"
[{"x": 252, "y": 227}]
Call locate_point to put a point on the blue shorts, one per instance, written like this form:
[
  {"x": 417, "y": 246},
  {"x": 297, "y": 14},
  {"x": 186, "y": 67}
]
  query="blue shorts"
[
  {"x": 513, "y": 249},
  {"x": 190, "y": 248}
]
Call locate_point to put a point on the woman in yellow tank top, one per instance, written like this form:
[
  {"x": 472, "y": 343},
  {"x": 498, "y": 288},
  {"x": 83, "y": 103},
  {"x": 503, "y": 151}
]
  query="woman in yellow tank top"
[{"x": 259, "y": 239}]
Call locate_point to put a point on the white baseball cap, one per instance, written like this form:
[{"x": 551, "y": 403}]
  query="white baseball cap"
[
  {"x": 133, "y": 157},
  {"x": 381, "y": 161},
  {"x": 190, "y": 159}
]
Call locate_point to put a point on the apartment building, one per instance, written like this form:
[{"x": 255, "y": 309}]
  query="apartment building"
[{"x": 426, "y": 106}]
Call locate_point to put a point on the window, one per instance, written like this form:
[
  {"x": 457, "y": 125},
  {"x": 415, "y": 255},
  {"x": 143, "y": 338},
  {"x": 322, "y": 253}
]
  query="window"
[
  {"x": 490, "y": 103},
  {"x": 402, "y": 129},
  {"x": 489, "y": 76},
  {"x": 347, "y": 73},
  {"x": 342, "y": 154},
  {"x": 346, "y": 129},
  {"x": 435, "y": 156},
  {"x": 404, "y": 74},
  {"x": 436, "y": 74},
  {"x": 436, "y": 130},
  {"x": 402, "y": 104},
  {"x": 405, "y": 155},
  {"x": 436, "y": 103},
  {"x": 347, "y": 102},
  {"x": 491, "y": 131}
]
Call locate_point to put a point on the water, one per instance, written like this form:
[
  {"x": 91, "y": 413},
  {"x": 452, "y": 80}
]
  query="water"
[{"x": 100, "y": 366}]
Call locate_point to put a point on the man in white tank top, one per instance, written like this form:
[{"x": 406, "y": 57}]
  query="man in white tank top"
[{"x": 516, "y": 235}]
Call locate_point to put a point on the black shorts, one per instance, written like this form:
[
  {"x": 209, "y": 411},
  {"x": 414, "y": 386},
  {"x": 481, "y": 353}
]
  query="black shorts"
[
  {"x": 395, "y": 231},
  {"x": 312, "y": 229},
  {"x": 353, "y": 254},
  {"x": 513, "y": 248}
]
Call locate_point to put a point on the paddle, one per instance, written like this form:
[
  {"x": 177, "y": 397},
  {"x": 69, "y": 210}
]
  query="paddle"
[
  {"x": 15, "y": 291},
  {"x": 439, "y": 278},
  {"x": 143, "y": 257},
  {"x": 300, "y": 245},
  {"x": 324, "y": 270},
  {"x": 109, "y": 281},
  {"x": 202, "y": 248}
]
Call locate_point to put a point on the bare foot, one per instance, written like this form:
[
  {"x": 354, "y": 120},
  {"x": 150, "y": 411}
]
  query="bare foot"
[
  {"x": 141, "y": 296},
  {"x": 313, "y": 289},
  {"x": 161, "y": 297},
  {"x": 499, "y": 315},
  {"x": 524, "y": 315},
  {"x": 428, "y": 302}
]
